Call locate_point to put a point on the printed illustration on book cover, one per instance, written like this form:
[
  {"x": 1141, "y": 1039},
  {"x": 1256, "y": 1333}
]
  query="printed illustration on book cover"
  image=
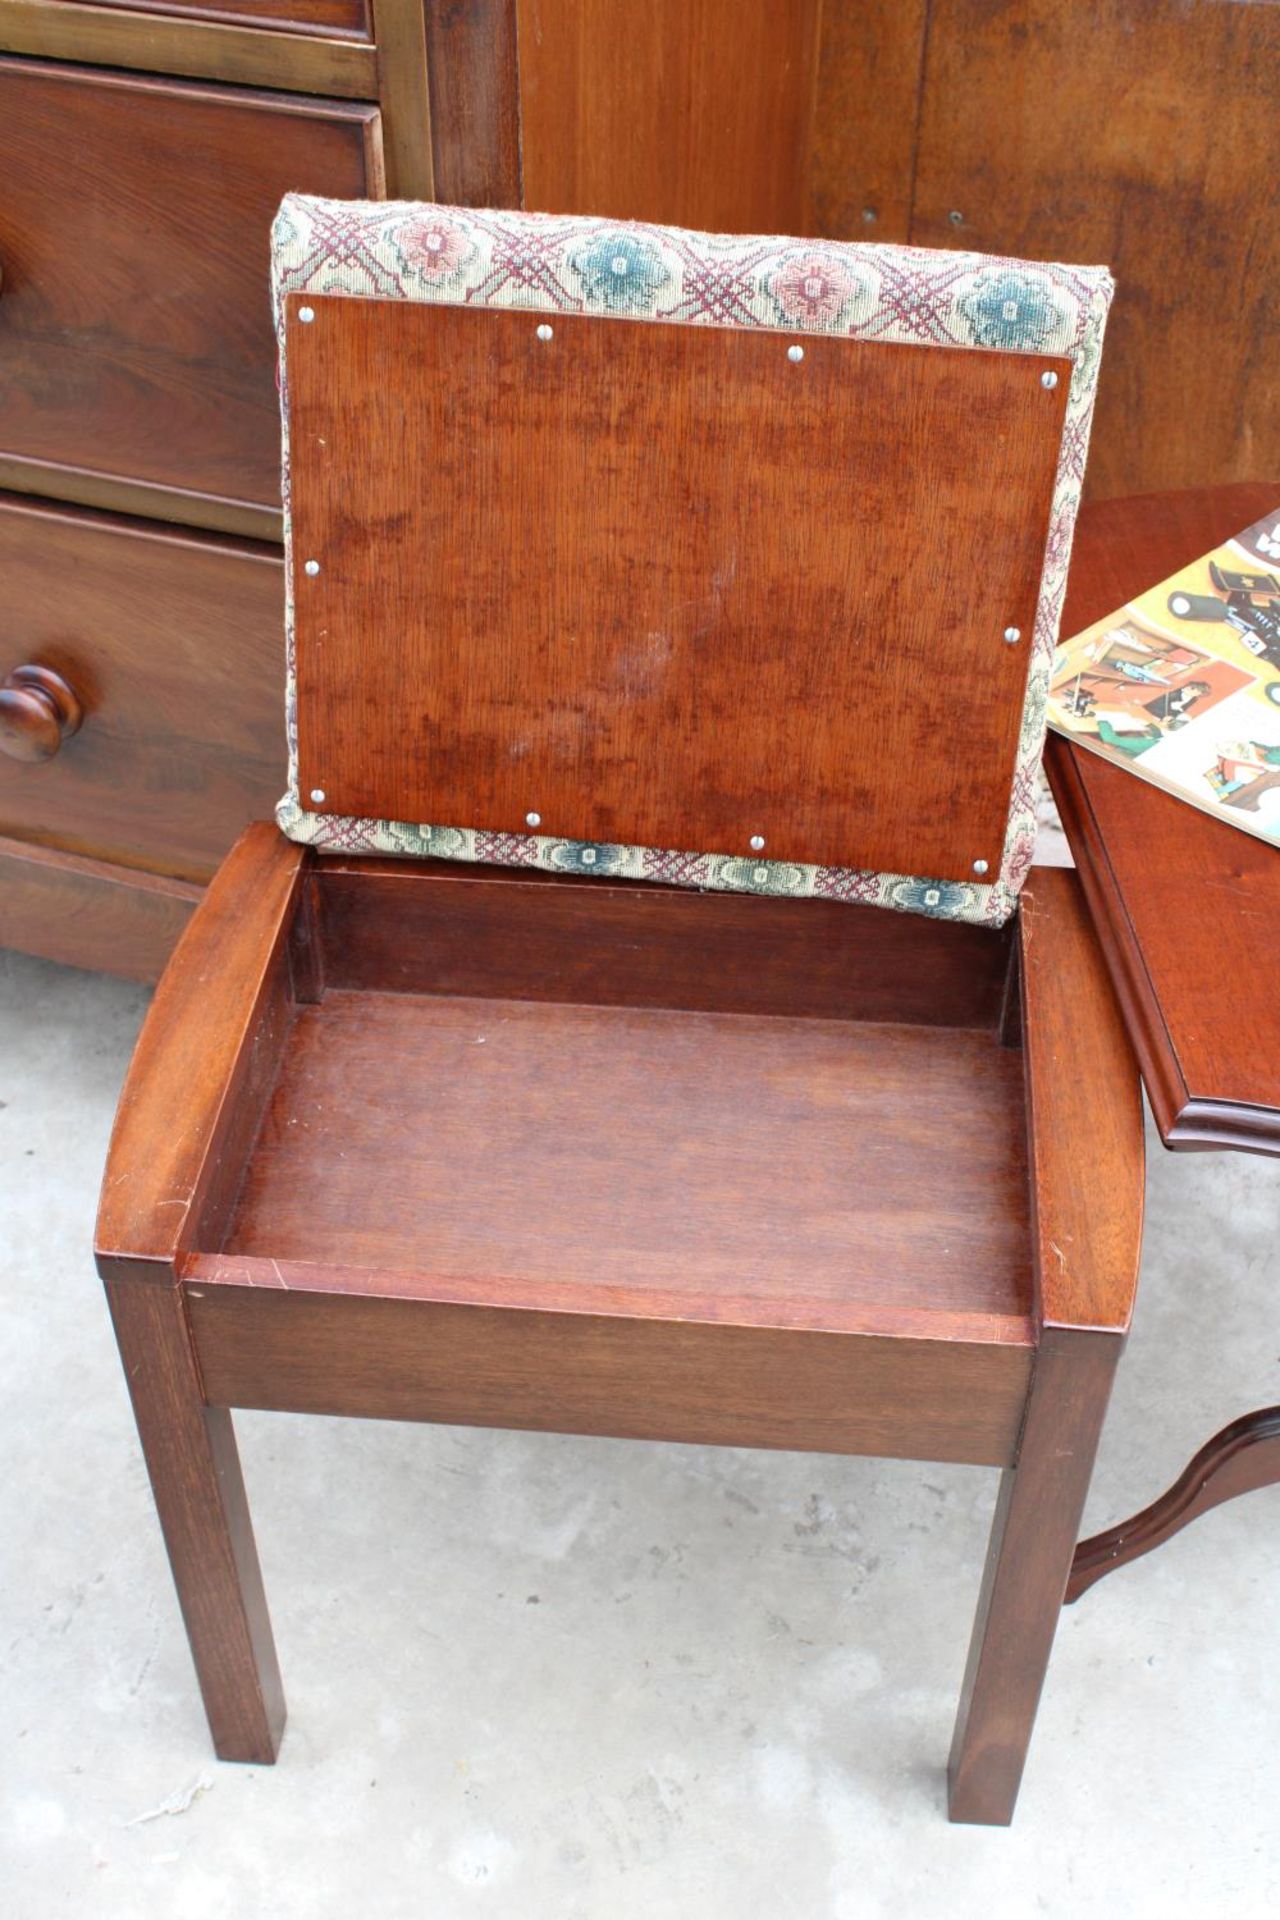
[{"x": 1183, "y": 683}]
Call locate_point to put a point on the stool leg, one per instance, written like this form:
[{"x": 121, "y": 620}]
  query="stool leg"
[
  {"x": 1028, "y": 1562},
  {"x": 191, "y": 1456}
]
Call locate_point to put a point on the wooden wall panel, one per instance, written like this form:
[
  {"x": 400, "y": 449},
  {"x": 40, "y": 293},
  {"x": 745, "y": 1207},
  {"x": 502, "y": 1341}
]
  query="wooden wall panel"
[
  {"x": 1141, "y": 133},
  {"x": 693, "y": 111},
  {"x": 475, "y": 106},
  {"x": 1135, "y": 132},
  {"x": 796, "y": 116},
  {"x": 870, "y": 65}
]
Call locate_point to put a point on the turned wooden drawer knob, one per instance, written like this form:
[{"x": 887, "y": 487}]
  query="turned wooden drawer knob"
[{"x": 38, "y": 711}]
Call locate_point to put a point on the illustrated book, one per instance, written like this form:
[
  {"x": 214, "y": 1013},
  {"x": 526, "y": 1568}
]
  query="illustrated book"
[{"x": 1182, "y": 685}]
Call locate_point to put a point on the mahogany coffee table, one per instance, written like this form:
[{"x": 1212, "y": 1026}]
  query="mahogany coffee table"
[{"x": 1187, "y": 912}]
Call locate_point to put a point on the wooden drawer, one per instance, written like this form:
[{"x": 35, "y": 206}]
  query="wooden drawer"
[
  {"x": 135, "y": 329},
  {"x": 174, "y": 645},
  {"x": 347, "y": 17}
]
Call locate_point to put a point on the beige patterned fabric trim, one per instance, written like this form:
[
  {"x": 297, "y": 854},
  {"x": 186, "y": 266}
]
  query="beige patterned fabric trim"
[{"x": 563, "y": 264}]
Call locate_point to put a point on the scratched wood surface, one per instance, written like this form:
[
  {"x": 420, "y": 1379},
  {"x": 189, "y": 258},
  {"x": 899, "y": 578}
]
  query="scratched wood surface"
[
  {"x": 663, "y": 585},
  {"x": 774, "y": 1160}
]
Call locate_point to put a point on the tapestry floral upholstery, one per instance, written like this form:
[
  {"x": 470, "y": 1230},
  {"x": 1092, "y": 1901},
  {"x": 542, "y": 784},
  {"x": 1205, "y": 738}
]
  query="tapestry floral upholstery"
[{"x": 551, "y": 263}]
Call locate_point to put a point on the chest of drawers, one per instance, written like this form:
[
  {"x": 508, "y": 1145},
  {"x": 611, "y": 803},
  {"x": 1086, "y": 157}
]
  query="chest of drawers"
[
  {"x": 144, "y": 145},
  {"x": 143, "y": 152}
]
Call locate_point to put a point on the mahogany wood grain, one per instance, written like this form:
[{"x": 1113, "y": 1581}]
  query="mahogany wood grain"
[
  {"x": 1196, "y": 985},
  {"x": 405, "y": 98},
  {"x": 794, "y": 118},
  {"x": 757, "y": 1159},
  {"x": 630, "y": 1376},
  {"x": 866, "y": 105},
  {"x": 1186, "y": 911},
  {"x": 445, "y": 928},
  {"x": 1243, "y": 1458},
  {"x": 1123, "y": 547},
  {"x": 627, "y": 690},
  {"x": 191, "y": 1457},
  {"x": 1125, "y": 131},
  {"x": 89, "y": 914},
  {"x": 306, "y": 953},
  {"x": 235, "y": 55},
  {"x": 473, "y": 69},
  {"x": 692, "y": 111},
  {"x": 772, "y": 1228},
  {"x": 134, "y": 327},
  {"x": 1085, "y": 1115},
  {"x": 117, "y": 493},
  {"x": 222, "y": 1006},
  {"x": 600, "y": 1295},
  {"x": 346, "y": 17},
  {"x": 1028, "y": 1562},
  {"x": 172, "y": 643}
]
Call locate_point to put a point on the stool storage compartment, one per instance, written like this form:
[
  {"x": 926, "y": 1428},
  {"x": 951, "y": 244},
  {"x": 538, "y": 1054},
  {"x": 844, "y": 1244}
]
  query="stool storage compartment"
[{"x": 690, "y": 1113}]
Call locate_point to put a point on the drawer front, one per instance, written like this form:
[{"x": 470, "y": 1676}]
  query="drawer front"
[
  {"x": 347, "y": 17},
  {"x": 87, "y": 914},
  {"x": 172, "y": 646},
  {"x": 135, "y": 329}
]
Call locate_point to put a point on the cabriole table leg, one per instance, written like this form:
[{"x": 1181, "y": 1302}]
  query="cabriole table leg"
[{"x": 1240, "y": 1459}]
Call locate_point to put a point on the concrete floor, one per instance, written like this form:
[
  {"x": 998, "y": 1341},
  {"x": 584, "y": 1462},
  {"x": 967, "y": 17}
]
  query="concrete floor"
[{"x": 553, "y": 1678}]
